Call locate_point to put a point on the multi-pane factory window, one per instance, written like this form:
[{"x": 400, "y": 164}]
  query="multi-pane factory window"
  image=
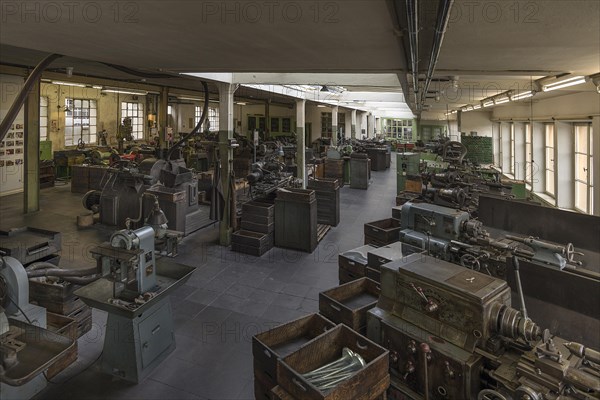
[
  {"x": 80, "y": 121},
  {"x": 326, "y": 124},
  {"x": 43, "y": 118},
  {"x": 511, "y": 149},
  {"x": 528, "y": 157},
  {"x": 212, "y": 119},
  {"x": 398, "y": 128},
  {"x": 583, "y": 168},
  {"x": 549, "y": 163},
  {"x": 136, "y": 112}
]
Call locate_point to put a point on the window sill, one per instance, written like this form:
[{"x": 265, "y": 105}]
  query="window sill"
[{"x": 546, "y": 198}]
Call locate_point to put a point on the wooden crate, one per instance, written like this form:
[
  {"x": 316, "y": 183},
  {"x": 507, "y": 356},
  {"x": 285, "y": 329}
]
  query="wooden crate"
[
  {"x": 67, "y": 327},
  {"x": 258, "y": 208},
  {"x": 255, "y": 227},
  {"x": 269, "y": 346},
  {"x": 385, "y": 230},
  {"x": 348, "y": 303},
  {"x": 344, "y": 276},
  {"x": 328, "y": 348},
  {"x": 301, "y": 195},
  {"x": 263, "y": 384},
  {"x": 373, "y": 274},
  {"x": 254, "y": 251},
  {"x": 54, "y": 297},
  {"x": 355, "y": 261},
  {"x": 83, "y": 319},
  {"x": 278, "y": 393},
  {"x": 251, "y": 238}
]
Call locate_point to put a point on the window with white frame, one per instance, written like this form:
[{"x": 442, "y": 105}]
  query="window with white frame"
[
  {"x": 549, "y": 163},
  {"x": 583, "y": 168},
  {"x": 43, "y": 118},
  {"x": 135, "y": 111},
  {"x": 80, "y": 121},
  {"x": 528, "y": 156},
  {"x": 511, "y": 149},
  {"x": 213, "y": 118}
]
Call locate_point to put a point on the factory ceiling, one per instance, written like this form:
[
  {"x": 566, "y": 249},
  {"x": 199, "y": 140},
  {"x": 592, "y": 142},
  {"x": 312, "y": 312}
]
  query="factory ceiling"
[{"x": 488, "y": 46}]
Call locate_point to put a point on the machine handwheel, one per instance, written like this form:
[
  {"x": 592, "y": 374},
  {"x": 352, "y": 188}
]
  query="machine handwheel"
[
  {"x": 490, "y": 394},
  {"x": 470, "y": 261}
]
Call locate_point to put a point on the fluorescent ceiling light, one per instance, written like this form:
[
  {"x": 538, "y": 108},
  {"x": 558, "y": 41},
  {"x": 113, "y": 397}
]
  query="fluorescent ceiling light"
[
  {"x": 240, "y": 103},
  {"x": 97, "y": 87},
  {"x": 572, "y": 81},
  {"x": 501, "y": 100},
  {"x": 523, "y": 95},
  {"x": 321, "y": 105},
  {"x": 125, "y": 91},
  {"x": 68, "y": 83},
  {"x": 488, "y": 103},
  {"x": 189, "y": 98},
  {"x": 476, "y": 106}
]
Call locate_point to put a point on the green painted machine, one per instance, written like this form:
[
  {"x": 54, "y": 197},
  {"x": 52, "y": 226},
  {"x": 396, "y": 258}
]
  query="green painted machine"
[{"x": 406, "y": 164}]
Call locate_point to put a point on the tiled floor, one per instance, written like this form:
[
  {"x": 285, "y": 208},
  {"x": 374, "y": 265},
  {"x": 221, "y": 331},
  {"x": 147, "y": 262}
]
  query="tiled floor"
[{"x": 229, "y": 298}]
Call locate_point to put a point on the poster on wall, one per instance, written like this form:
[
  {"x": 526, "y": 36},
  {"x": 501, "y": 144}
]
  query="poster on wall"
[{"x": 12, "y": 148}]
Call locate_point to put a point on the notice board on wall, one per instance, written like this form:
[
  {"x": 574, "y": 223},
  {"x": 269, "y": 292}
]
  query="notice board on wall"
[{"x": 12, "y": 148}]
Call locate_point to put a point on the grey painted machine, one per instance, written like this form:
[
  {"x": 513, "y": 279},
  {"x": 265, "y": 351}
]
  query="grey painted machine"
[{"x": 134, "y": 291}]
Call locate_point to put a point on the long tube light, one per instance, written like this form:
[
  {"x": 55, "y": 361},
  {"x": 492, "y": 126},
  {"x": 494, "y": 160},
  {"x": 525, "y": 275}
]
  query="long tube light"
[
  {"x": 501, "y": 100},
  {"x": 125, "y": 91},
  {"x": 476, "y": 106},
  {"x": 68, "y": 83},
  {"x": 488, "y": 103},
  {"x": 572, "y": 81},
  {"x": 523, "y": 95}
]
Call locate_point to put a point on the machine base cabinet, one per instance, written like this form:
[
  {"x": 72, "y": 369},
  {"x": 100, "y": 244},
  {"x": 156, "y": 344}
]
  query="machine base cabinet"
[{"x": 134, "y": 347}]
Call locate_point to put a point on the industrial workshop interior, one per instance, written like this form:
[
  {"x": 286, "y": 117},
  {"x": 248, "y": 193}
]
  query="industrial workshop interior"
[{"x": 311, "y": 200}]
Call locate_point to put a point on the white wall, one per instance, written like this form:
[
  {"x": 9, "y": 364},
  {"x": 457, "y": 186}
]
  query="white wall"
[
  {"x": 577, "y": 104},
  {"x": 477, "y": 121}
]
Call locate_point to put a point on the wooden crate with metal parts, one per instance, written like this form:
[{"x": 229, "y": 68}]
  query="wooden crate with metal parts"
[
  {"x": 271, "y": 345},
  {"x": 369, "y": 382}
]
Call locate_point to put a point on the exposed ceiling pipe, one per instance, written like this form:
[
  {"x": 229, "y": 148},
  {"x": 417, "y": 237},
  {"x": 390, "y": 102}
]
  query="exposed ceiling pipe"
[
  {"x": 35, "y": 75},
  {"x": 438, "y": 38},
  {"x": 412, "y": 12}
]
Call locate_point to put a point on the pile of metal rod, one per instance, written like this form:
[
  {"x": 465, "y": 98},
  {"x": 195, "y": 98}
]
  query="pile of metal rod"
[{"x": 330, "y": 375}]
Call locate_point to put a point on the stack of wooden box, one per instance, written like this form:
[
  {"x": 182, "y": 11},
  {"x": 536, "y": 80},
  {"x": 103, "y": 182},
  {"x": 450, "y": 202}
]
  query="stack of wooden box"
[
  {"x": 334, "y": 169},
  {"x": 353, "y": 264},
  {"x": 256, "y": 235},
  {"x": 296, "y": 219},
  {"x": 327, "y": 192}
]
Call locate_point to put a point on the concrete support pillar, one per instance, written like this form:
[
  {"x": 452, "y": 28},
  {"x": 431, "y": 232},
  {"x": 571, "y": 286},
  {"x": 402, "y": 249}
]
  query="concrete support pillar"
[
  {"x": 31, "y": 174},
  {"x": 334, "y": 127},
  {"x": 226, "y": 91},
  {"x": 596, "y": 170},
  {"x": 505, "y": 147},
  {"x": 353, "y": 125},
  {"x": 300, "y": 145},
  {"x": 163, "y": 118},
  {"x": 370, "y": 125}
]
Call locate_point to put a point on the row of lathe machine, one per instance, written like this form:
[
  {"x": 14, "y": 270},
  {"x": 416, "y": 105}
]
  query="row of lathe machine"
[{"x": 414, "y": 322}]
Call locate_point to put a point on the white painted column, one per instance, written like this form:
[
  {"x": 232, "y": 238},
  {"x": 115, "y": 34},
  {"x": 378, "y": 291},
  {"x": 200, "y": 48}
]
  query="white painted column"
[
  {"x": 595, "y": 163},
  {"x": 334, "y": 127},
  {"x": 505, "y": 146},
  {"x": 497, "y": 148},
  {"x": 538, "y": 176},
  {"x": 564, "y": 150},
  {"x": 226, "y": 91},
  {"x": 300, "y": 145},
  {"x": 353, "y": 125},
  {"x": 519, "y": 151},
  {"x": 370, "y": 125}
]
